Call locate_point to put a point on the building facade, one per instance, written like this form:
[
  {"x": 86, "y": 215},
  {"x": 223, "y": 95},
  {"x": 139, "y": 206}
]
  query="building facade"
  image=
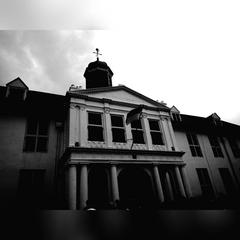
[{"x": 77, "y": 151}]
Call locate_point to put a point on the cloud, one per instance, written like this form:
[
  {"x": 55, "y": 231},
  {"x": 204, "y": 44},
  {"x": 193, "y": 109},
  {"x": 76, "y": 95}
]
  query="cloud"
[
  {"x": 45, "y": 60},
  {"x": 53, "y": 14}
]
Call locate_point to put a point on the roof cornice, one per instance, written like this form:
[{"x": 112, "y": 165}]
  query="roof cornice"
[{"x": 80, "y": 93}]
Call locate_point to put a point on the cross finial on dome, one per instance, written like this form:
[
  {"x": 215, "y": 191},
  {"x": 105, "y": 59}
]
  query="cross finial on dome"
[{"x": 97, "y": 53}]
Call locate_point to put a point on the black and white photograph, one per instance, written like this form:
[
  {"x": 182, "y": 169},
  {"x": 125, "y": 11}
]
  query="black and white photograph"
[{"x": 119, "y": 119}]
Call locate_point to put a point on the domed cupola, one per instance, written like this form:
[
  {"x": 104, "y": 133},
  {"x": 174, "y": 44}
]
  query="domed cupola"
[{"x": 98, "y": 74}]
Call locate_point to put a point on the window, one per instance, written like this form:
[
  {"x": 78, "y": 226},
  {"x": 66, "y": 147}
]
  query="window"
[
  {"x": 194, "y": 145},
  {"x": 227, "y": 180},
  {"x": 118, "y": 130},
  {"x": 16, "y": 93},
  {"x": 176, "y": 117},
  {"x": 36, "y": 137},
  {"x": 95, "y": 127},
  {"x": 234, "y": 147},
  {"x": 155, "y": 132},
  {"x": 205, "y": 182},
  {"x": 137, "y": 132},
  {"x": 216, "y": 148},
  {"x": 31, "y": 186}
]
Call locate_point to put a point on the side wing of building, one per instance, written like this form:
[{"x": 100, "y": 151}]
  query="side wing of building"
[
  {"x": 30, "y": 128},
  {"x": 212, "y": 154}
]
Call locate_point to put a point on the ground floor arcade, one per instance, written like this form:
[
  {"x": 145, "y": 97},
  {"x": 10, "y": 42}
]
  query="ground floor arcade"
[{"x": 124, "y": 185}]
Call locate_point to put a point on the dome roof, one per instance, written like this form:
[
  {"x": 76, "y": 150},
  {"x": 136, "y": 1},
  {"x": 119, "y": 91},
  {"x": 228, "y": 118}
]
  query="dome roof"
[{"x": 98, "y": 65}]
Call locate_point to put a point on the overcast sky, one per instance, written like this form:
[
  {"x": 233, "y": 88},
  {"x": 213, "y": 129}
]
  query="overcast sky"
[{"x": 186, "y": 53}]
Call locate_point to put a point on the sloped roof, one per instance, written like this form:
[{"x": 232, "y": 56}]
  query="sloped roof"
[
  {"x": 17, "y": 82},
  {"x": 206, "y": 126},
  {"x": 174, "y": 109},
  {"x": 47, "y": 104}
]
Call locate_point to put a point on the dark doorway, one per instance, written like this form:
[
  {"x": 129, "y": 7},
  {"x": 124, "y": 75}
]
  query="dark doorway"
[
  {"x": 135, "y": 188},
  {"x": 98, "y": 187}
]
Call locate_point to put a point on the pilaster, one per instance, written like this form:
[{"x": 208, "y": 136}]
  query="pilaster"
[{"x": 146, "y": 131}]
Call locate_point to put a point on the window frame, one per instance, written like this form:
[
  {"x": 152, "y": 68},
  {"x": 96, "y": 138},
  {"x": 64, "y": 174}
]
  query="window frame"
[
  {"x": 36, "y": 136},
  {"x": 193, "y": 147},
  {"x": 176, "y": 117},
  {"x": 216, "y": 147},
  {"x": 156, "y": 131},
  {"x": 227, "y": 180},
  {"x": 234, "y": 147},
  {"x": 118, "y": 127},
  {"x": 96, "y": 126},
  {"x": 133, "y": 129},
  {"x": 203, "y": 174}
]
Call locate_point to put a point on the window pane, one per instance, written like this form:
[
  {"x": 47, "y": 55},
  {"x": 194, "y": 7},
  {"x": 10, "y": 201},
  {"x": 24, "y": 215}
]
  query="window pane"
[
  {"x": 95, "y": 133},
  {"x": 32, "y": 126},
  {"x": 194, "y": 138},
  {"x": 43, "y": 127},
  {"x": 136, "y": 124},
  {"x": 215, "y": 153},
  {"x": 137, "y": 136},
  {"x": 42, "y": 144},
  {"x": 227, "y": 180},
  {"x": 118, "y": 135},
  {"x": 117, "y": 121},
  {"x": 220, "y": 154},
  {"x": 199, "y": 152},
  {"x": 95, "y": 118},
  {"x": 205, "y": 182},
  {"x": 30, "y": 143},
  {"x": 157, "y": 138},
  {"x": 153, "y": 124},
  {"x": 16, "y": 94},
  {"x": 193, "y": 151},
  {"x": 189, "y": 139}
]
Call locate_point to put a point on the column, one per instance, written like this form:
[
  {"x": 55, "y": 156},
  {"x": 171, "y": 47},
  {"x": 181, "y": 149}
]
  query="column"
[
  {"x": 180, "y": 183},
  {"x": 72, "y": 187},
  {"x": 158, "y": 183},
  {"x": 169, "y": 186},
  {"x": 146, "y": 131},
  {"x": 71, "y": 125},
  {"x": 114, "y": 182},
  {"x": 185, "y": 182},
  {"x": 83, "y": 186}
]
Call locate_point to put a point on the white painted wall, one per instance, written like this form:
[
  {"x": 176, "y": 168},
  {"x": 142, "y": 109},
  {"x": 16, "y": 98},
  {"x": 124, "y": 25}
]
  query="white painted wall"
[{"x": 207, "y": 161}]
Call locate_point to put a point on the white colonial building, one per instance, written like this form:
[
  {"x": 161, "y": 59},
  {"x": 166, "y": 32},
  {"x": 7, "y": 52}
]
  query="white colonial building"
[{"x": 77, "y": 152}]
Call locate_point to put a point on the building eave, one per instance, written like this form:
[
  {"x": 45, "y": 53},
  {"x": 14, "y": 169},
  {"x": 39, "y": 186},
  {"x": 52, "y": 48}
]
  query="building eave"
[{"x": 109, "y": 151}]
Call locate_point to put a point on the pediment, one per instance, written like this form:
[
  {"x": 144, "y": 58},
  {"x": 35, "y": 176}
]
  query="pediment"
[
  {"x": 215, "y": 116},
  {"x": 174, "y": 110},
  {"x": 121, "y": 94},
  {"x": 17, "y": 83}
]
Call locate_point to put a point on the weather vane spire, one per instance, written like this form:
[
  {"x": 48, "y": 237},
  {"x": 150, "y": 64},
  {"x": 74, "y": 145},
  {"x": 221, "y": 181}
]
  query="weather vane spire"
[{"x": 97, "y": 54}]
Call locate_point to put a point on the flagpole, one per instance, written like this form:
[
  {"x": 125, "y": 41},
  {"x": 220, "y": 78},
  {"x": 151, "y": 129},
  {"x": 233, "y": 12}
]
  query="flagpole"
[{"x": 140, "y": 117}]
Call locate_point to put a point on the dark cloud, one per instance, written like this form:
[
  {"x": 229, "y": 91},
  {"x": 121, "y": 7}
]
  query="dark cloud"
[{"x": 45, "y": 60}]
